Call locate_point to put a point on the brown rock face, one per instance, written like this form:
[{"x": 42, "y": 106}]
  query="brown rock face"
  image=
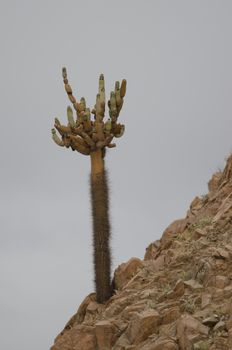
[
  {"x": 190, "y": 331},
  {"x": 106, "y": 334},
  {"x": 126, "y": 271},
  {"x": 179, "y": 297},
  {"x": 142, "y": 326},
  {"x": 162, "y": 343},
  {"x": 175, "y": 228},
  {"x": 214, "y": 182},
  {"x": 78, "y": 338}
]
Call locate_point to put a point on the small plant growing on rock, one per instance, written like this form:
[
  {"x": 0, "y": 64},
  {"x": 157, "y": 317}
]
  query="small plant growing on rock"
[
  {"x": 201, "y": 345},
  {"x": 166, "y": 288},
  {"x": 90, "y": 137},
  {"x": 187, "y": 275},
  {"x": 202, "y": 223},
  {"x": 188, "y": 305}
]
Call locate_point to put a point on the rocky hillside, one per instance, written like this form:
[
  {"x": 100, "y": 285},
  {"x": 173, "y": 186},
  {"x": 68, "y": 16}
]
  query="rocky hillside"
[{"x": 178, "y": 297}]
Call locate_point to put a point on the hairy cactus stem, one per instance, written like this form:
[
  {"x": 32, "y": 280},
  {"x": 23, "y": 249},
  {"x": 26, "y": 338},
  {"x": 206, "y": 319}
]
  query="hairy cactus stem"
[{"x": 101, "y": 227}]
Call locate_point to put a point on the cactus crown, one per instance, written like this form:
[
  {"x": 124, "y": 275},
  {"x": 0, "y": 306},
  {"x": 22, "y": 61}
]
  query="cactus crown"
[{"x": 84, "y": 134}]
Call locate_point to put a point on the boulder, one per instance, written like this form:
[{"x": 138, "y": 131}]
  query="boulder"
[
  {"x": 106, "y": 335},
  {"x": 213, "y": 183},
  {"x": 176, "y": 227},
  {"x": 143, "y": 325},
  {"x": 190, "y": 331},
  {"x": 162, "y": 343},
  {"x": 77, "y": 338},
  {"x": 126, "y": 271}
]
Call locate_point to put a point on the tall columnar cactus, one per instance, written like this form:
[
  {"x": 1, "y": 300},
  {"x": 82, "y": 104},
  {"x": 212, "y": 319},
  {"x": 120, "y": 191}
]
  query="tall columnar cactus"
[{"x": 91, "y": 136}]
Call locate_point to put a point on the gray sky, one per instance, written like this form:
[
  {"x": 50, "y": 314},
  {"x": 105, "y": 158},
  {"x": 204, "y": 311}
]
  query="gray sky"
[{"x": 176, "y": 56}]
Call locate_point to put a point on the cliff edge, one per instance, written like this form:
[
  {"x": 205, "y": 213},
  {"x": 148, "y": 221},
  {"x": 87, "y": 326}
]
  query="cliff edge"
[{"x": 179, "y": 297}]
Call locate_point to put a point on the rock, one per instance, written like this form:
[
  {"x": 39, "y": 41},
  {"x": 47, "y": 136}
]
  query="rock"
[
  {"x": 115, "y": 308},
  {"x": 227, "y": 292},
  {"x": 122, "y": 343},
  {"x": 189, "y": 331},
  {"x": 211, "y": 321},
  {"x": 82, "y": 336},
  {"x": 152, "y": 250},
  {"x": 93, "y": 307},
  {"x": 176, "y": 227},
  {"x": 126, "y": 271},
  {"x": 168, "y": 330},
  {"x": 227, "y": 172},
  {"x": 223, "y": 209},
  {"x": 177, "y": 291},
  {"x": 142, "y": 326},
  {"x": 229, "y": 247},
  {"x": 193, "y": 284},
  {"x": 162, "y": 343},
  {"x": 205, "y": 300},
  {"x": 169, "y": 315},
  {"x": 221, "y": 282},
  {"x": 213, "y": 183},
  {"x": 220, "y": 253},
  {"x": 105, "y": 334},
  {"x": 221, "y": 325},
  {"x": 198, "y": 233},
  {"x": 218, "y": 294},
  {"x": 81, "y": 312},
  {"x": 158, "y": 263},
  {"x": 195, "y": 206},
  {"x": 131, "y": 310}
]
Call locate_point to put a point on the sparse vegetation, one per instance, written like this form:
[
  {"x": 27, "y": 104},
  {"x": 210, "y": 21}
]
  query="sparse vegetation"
[
  {"x": 202, "y": 345},
  {"x": 165, "y": 289},
  {"x": 187, "y": 275},
  {"x": 188, "y": 305},
  {"x": 202, "y": 223}
]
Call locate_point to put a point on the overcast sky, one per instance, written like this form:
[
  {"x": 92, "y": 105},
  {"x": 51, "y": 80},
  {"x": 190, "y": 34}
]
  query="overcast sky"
[{"x": 176, "y": 56}]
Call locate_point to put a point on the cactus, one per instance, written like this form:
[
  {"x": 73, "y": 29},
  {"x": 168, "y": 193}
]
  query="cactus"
[{"x": 91, "y": 137}]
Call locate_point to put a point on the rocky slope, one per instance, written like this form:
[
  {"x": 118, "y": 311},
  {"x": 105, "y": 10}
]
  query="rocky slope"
[{"x": 178, "y": 297}]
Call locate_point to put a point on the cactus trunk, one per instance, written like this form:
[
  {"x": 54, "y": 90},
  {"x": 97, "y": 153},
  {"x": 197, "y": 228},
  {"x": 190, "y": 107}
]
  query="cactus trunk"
[{"x": 101, "y": 227}]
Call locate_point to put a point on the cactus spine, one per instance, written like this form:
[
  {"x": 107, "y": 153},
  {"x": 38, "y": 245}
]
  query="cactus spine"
[{"x": 91, "y": 137}]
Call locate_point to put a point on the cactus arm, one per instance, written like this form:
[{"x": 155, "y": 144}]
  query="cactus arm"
[
  {"x": 68, "y": 90},
  {"x": 116, "y": 100},
  {"x": 99, "y": 109},
  {"x": 111, "y": 145},
  {"x": 62, "y": 129},
  {"x": 78, "y": 140},
  {"x": 88, "y": 140},
  {"x": 57, "y": 121},
  {"x": 119, "y": 100},
  {"x": 70, "y": 117},
  {"x": 87, "y": 121},
  {"x": 56, "y": 138},
  {"x": 77, "y": 144},
  {"x": 101, "y": 91},
  {"x": 123, "y": 88},
  {"x": 82, "y": 104},
  {"x": 122, "y": 129},
  {"x": 67, "y": 87},
  {"x": 113, "y": 108}
]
